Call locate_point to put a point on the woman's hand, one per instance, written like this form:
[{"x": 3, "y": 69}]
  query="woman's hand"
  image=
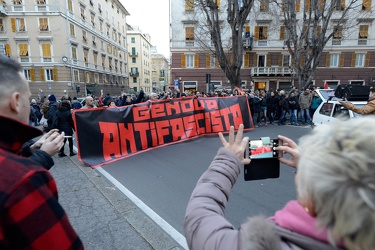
[
  {"x": 289, "y": 147},
  {"x": 237, "y": 145}
]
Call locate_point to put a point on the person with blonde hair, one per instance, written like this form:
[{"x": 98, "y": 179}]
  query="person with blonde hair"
[{"x": 335, "y": 183}]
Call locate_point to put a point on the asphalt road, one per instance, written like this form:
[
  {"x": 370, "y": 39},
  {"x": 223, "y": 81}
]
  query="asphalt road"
[{"x": 164, "y": 178}]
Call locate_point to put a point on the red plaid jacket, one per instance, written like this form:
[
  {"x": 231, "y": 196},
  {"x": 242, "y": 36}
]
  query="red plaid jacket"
[{"x": 30, "y": 214}]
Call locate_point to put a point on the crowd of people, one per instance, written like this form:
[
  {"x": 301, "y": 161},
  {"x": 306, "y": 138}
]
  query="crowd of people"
[{"x": 335, "y": 181}]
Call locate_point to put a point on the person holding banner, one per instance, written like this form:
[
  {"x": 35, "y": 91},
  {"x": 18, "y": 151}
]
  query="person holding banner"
[{"x": 31, "y": 216}]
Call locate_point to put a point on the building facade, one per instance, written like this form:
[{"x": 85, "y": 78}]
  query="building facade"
[
  {"x": 160, "y": 73},
  {"x": 348, "y": 57},
  {"x": 66, "y": 46},
  {"x": 140, "y": 68}
]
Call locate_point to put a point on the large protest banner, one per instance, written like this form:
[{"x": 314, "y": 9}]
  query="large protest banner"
[{"x": 108, "y": 134}]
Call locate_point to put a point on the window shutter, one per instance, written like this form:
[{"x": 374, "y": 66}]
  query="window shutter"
[
  {"x": 247, "y": 61},
  {"x": 307, "y": 5},
  {"x": 32, "y": 75},
  {"x": 251, "y": 55},
  {"x": 353, "y": 60},
  {"x": 84, "y": 76},
  {"x": 265, "y": 33},
  {"x": 367, "y": 59},
  {"x": 42, "y": 78},
  {"x": 298, "y": 5},
  {"x": 256, "y": 33},
  {"x": 328, "y": 60},
  {"x": 268, "y": 60},
  {"x": 318, "y": 30},
  {"x": 13, "y": 23},
  {"x": 196, "y": 61},
  {"x": 282, "y": 32},
  {"x": 217, "y": 63},
  {"x": 321, "y": 4},
  {"x": 91, "y": 77},
  {"x": 7, "y": 49},
  {"x": 54, "y": 74},
  {"x": 342, "y": 4},
  {"x": 280, "y": 60},
  {"x": 208, "y": 60},
  {"x": 341, "y": 63},
  {"x": 183, "y": 61}
]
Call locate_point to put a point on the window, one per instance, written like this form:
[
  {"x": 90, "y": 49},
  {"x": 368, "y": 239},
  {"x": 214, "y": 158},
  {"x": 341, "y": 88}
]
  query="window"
[
  {"x": 24, "y": 49},
  {"x": 334, "y": 60},
  {"x": 264, "y": 5},
  {"x": 366, "y": 5},
  {"x": 46, "y": 52},
  {"x": 96, "y": 78},
  {"x": 43, "y": 24},
  {"x": 260, "y": 33},
  {"x": 83, "y": 17},
  {"x": 286, "y": 61},
  {"x": 93, "y": 20},
  {"x": 74, "y": 54},
  {"x": 48, "y": 74},
  {"x": 363, "y": 32},
  {"x": 189, "y": 5},
  {"x": 72, "y": 31},
  {"x": 41, "y": 5},
  {"x": 360, "y": 60},
  {"x": 326, "y": 109},
  {"x": 27, "y": 74},
  {"x": 84, "y": 35},
  {"x": 134, "y": 51},
  {"x": 103, "y": 61},
  {"x": 76, "y": 75},
  {"x": 189, "y": 33},
  {"x": 340, "y": 5},
  {"x": 86, "y": 56},
  {"x": 17, "y": 5},
  {"x": 1, "y": 25},
  {"x": 3, "y": 49},
  {"x": 189, "y": 61},
  {"x": 95, "y": 56},
  {"x": 133, "y": 40},
  {"x": 18, "y": 24},
  {"x": 337, "y": 34},
  {"x": 134, "y": 60},
  {"x": 70, "y": 6},
  {"x": 101, "y": 25}
]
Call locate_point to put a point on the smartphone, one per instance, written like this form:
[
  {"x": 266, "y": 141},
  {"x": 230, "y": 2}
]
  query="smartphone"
[
  {"x": 264, "y": 148},
  {"x": 265, "y": 162}
]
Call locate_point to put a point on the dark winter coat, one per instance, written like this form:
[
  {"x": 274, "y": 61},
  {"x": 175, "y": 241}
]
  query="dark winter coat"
[
  {"x": 256, "y": 104},
  {"x": 63, "y": 120},
  {"x": 293, "y": 102},
  {"x": 51, "y": 113},
  {"x": 272, "y": 103}
]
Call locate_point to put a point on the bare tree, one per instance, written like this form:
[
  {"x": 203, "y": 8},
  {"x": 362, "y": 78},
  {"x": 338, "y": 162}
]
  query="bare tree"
[
  {"x": 230, "y": 58},
  {"x": 307, "y": 33}
]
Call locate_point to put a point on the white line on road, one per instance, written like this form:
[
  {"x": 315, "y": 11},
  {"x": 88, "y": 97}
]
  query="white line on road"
[{"x": 150, "y": 213}]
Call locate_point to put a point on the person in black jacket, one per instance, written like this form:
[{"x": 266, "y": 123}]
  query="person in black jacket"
[
  {"x": 284, "y": 104},
  {"x": 271, "y": 106},
  {"x": 293, "y": 106},
  {"x": 64, "y": 123}
]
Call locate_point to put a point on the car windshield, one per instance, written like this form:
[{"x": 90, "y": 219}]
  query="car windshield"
[{"x": 326, "y": 93}]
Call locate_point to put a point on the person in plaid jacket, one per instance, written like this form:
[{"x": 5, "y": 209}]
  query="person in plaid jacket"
[{"x": 30, "y": 214}]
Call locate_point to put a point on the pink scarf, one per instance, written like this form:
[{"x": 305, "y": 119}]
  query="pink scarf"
[{"x": 294, "y": 217}]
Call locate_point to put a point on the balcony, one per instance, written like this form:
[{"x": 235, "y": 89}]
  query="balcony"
[
  {"x": 271, "y": 71},
  {"x": 362, "y": 41},
  {"x": 133, "y": 54},
  {"x": 134, "y": 74}
]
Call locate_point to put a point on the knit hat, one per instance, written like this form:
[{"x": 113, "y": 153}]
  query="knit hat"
[
  {"x": 33, "y": 101},
  {"x": 52, "y": 98}
]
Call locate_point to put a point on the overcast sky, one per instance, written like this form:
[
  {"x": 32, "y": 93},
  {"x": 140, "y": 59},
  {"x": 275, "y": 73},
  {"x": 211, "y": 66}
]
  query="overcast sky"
[{"x": 152, "y": 17}]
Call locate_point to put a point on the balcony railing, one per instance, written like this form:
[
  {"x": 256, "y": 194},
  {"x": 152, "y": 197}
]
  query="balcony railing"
[{"x": 261, "y": 71}]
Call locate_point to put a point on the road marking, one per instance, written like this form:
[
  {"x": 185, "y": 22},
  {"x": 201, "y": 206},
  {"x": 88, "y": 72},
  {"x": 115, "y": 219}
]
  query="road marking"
[
  {"x": 154, "y": 216},
  {"x": 179, "y": 238}
]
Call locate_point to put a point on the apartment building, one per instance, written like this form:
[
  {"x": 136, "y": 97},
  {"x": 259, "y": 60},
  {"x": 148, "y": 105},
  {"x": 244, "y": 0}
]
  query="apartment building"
[
  {"x": 348, "y": 57},
  {"x": 140, "y": 68},
  {"x": 66, "y": 46},
  {"x": 160, "y": 73}
]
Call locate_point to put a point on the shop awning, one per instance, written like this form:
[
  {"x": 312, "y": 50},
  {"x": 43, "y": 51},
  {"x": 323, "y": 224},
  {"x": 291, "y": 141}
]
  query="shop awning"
[{"x": 90, "y": 91}]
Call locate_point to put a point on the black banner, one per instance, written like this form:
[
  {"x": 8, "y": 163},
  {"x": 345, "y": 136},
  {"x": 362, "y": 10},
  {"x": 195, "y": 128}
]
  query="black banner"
[{"x": 108, "y": 134}]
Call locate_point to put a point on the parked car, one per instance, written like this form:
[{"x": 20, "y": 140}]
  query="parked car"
[{"x": 331, "y": 109}]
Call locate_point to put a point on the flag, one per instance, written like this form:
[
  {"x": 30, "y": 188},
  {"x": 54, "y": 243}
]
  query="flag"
[{"x": 326, "y": 85}]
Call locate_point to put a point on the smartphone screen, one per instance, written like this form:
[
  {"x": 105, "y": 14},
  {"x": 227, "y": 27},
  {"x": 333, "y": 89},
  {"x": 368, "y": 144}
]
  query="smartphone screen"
[{"x": 263, "y": 148}]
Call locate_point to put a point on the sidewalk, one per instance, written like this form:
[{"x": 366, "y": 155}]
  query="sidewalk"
[{"x": 103, "y": 217}]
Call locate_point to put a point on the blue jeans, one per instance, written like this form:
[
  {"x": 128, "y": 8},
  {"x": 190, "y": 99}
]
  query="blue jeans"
[
  {"x": 305, "y": 115},
  {"x": 282, "y": 118},
  {"x": 293, "y": 116}
]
